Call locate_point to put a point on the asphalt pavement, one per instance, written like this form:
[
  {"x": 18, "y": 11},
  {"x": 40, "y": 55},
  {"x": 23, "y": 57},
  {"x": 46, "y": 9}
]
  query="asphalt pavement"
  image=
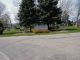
[{"x": 41, "y": 47}]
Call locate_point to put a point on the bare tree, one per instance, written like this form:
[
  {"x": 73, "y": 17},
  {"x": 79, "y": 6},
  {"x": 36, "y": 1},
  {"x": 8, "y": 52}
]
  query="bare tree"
[
  {"x": 4, "y": 18},
  {"x": 66, "y": 6},
  {"x": 2, "y": 7},
  {"x": 78, "y": 14}
]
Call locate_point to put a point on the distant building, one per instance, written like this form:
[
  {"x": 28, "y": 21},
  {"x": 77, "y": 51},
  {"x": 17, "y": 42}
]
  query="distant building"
[{"x": 40, "y": 28}]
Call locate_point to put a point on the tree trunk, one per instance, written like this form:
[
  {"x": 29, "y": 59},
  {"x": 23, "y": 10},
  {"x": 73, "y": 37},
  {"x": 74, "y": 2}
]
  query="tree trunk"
[
  {"x": 30, "y": 28},
  {"x": 77, "y": 22},
  {"x": 48, "y": 26},
  {"x": 1, "y": 32}
]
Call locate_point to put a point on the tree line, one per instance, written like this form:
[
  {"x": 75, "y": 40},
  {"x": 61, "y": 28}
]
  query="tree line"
[{"x": 45, "y": 12}]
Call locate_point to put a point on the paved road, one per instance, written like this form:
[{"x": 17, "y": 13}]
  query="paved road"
[{"x": 43, "y": 47}]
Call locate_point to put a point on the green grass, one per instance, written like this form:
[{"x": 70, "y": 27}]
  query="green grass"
[
  {"x": 72, "y": 29},
  {"x": 16, "y": 32},
  {"x": 11, "y": 32}
]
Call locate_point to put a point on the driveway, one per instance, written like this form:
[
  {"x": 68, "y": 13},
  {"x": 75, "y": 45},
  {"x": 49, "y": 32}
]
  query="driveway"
[{"x": 41, "y": 47}]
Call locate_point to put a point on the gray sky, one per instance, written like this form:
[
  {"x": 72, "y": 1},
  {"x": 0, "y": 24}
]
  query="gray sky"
[{"x": 12, "y": 7}]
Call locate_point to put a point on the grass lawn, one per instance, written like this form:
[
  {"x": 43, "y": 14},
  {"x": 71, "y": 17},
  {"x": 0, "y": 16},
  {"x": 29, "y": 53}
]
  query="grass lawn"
[
  {"x": 72, "y": 29},
  {"x": 16, "y": 32},
  {"x": 11, "y": 32}
]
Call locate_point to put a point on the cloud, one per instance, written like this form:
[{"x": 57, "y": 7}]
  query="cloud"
[
  {"x": 16, "y": 2},
  {"x": 11, "y": 7}
]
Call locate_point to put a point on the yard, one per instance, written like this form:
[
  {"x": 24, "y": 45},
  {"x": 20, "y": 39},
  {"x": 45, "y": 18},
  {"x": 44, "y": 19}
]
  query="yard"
[{"x": 17, "y": 32}]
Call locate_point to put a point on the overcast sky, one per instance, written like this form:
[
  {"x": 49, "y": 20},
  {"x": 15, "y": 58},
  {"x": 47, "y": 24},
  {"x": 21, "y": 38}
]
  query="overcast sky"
[{"x": 12, "y": 7}]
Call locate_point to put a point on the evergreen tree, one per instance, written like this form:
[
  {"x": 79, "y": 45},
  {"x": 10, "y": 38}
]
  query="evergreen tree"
[
  {"x": 52, "y": 12},
  {"x": 46, "y": 12},
  {"x": 25, "y": 13}
]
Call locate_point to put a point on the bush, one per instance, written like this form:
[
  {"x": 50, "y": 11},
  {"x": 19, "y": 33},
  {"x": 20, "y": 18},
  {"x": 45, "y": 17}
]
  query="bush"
[{"x": 54, "y": 28}]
